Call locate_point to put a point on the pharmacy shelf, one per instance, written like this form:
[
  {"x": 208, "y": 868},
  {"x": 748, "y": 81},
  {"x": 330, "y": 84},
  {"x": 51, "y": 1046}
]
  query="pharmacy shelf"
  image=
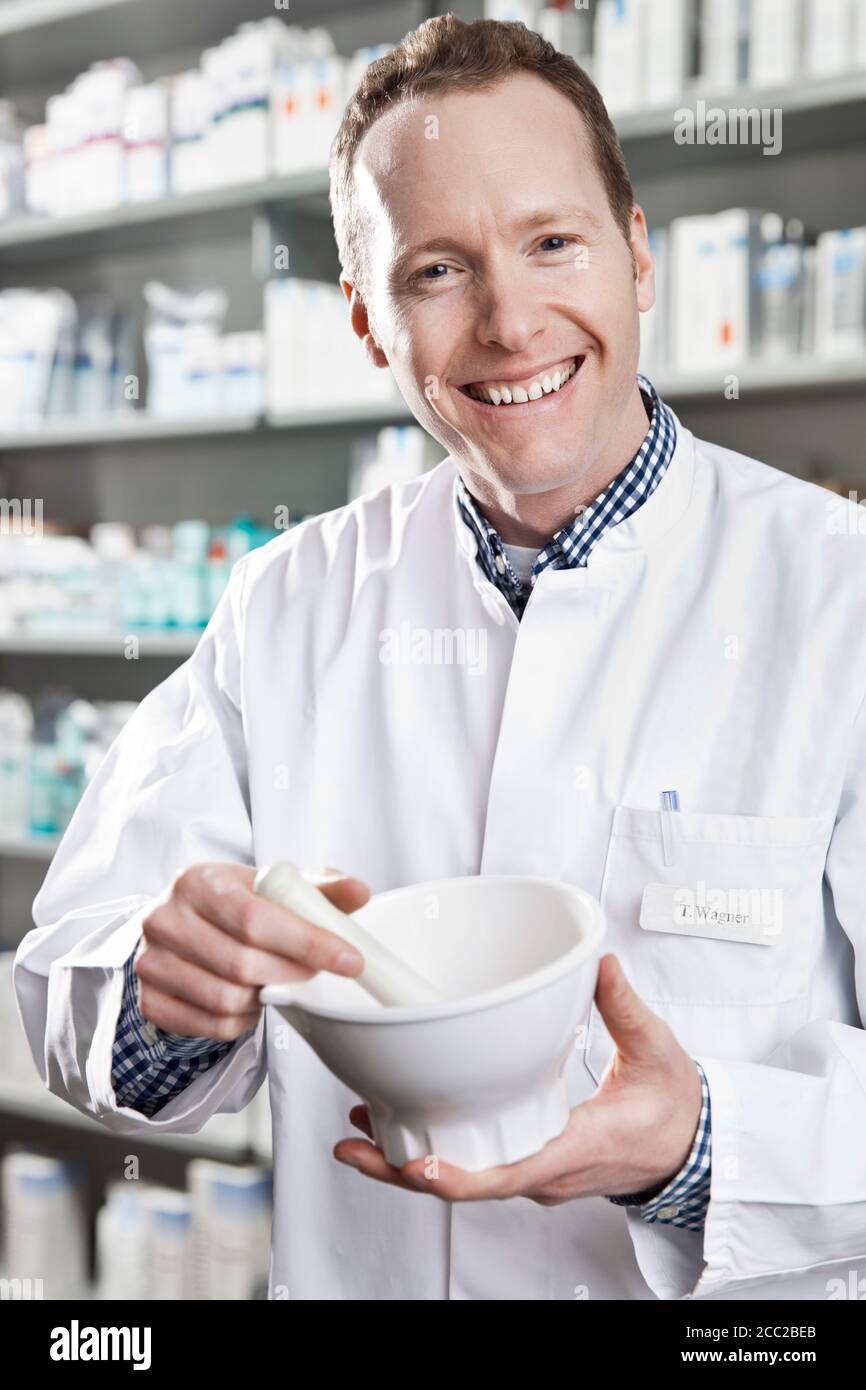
[
  {"x": 85, "y": 30},
  {"x": 815, "y": 114},
  {"x": 179, "y": 644},
  {"x": 18, "y": 16},
  {"x": 808, "y": 375},
  {"x": 135, "y": 426},
  {"x": 387, "y": 412},
  {"x": 191, "y": 216},
  {"x": 811, "y": 96},
  {"x": 139, "y": 427},
  {"x": 227, "y": 1136},
  {"x": 21, "y": 846},
  {"x": 765, "y": 379}
]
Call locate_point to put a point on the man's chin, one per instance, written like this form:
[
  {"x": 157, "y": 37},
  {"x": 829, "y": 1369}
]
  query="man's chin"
[{"x": 531, "y": 480}]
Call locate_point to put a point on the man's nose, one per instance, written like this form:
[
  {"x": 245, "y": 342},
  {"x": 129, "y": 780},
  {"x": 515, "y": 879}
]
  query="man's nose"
[{"x": 511, "y": 307}]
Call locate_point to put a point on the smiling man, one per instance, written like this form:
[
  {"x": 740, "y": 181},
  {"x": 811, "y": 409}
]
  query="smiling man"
[{"x": 658, "y": 613}]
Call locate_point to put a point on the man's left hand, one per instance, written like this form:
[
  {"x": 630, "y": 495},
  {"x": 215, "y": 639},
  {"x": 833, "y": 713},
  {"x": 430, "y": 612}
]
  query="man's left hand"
[{"x": 633, "y": 1135}]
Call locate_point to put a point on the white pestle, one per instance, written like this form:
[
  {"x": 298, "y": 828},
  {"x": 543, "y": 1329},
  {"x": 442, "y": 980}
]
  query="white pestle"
[{"x": 385, "y": 976}]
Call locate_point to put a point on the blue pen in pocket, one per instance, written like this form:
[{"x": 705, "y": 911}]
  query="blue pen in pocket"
[{"x": 670, "y": 803}]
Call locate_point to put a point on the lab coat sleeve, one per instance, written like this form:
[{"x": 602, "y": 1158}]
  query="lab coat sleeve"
[
  {"x": 788, "y": 1182},
  {"x": 171, "y": 792}
]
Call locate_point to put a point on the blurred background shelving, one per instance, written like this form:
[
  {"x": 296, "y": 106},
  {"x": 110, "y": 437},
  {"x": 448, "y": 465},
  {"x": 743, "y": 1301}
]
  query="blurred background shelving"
[{"x": 135, "y": 468}]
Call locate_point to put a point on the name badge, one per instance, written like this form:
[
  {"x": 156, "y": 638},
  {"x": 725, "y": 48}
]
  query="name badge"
[{"x": 752, "y": 915}]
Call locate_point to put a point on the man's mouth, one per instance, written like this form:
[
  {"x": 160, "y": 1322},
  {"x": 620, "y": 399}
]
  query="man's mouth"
[{"x": 527, "y": 389}]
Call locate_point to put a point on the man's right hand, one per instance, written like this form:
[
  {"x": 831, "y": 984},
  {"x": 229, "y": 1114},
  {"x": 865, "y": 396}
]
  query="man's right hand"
[{"x": 211, "y": 943}]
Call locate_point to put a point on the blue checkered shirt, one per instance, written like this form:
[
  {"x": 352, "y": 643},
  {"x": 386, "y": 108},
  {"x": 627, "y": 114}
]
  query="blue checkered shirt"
[{"x": 150, "y": 1066}]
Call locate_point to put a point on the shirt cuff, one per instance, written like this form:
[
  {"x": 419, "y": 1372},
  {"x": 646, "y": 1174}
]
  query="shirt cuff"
[
  {"x": 155, "y": 1042},
  {"x": 684, "y": 1200}
]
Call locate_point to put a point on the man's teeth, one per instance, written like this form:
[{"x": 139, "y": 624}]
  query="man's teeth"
[{"x": 519, "y": 395}]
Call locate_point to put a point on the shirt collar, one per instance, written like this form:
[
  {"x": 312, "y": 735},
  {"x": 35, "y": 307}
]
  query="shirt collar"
[{"x": 571, "y": 546}]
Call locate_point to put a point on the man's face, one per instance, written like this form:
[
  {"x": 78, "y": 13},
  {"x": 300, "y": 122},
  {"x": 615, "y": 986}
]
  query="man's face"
[{"x": 525, "y": 272}]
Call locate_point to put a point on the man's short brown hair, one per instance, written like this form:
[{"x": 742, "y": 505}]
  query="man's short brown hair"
[{"x": 446, "y": 54}]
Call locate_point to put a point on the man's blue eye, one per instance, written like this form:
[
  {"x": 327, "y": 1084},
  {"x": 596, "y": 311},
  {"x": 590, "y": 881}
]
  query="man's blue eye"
[
  {"x": 563, "y": 239},
  {"x": 438, "y": 266}
]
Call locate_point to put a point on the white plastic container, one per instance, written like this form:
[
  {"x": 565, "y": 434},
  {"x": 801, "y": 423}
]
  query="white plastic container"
[
  {"x": 775, "y": 42},
  {"x": 168, "y": 1245},
  {"x": 44, "y": 1225},
  {"x": 145, "y": 131},
  {"x": 620, "y": 55},
  {"x": 840, "y": 308},
  {"x": 231, "y": 1225},
  {"x": 121, "y": 1250},
  {"x": 191, "y": 102}
]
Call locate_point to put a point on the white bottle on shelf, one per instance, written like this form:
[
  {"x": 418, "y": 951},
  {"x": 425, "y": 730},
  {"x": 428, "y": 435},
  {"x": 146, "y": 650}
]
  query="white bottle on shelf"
[
  {"x": 121, "y": 1251},
  {"x": 145, "y": 133},
  {"x": 775, "y": 42},
  {"x": 44, "y": 1225},
  {"x": 168, "y": 1245},
  {"x": 620, "y": 53},
  {"x": 231, "y": 1224}
]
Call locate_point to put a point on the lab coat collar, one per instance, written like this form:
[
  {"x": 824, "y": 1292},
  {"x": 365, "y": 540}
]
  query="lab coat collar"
[{"x": 653, "y": 520}]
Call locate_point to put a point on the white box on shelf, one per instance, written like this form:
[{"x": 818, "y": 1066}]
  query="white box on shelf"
[
  {"x": 286, "y": 119},
  {"x": 695, "y": 275},
  {"x": 714, "y": 292},
  {"x": 514, "y": 11},
  {"x": 736, "y": 328},
  {"x": 101, "y": 95},
  {"x": 828, "y": 37},
  {"x": 249, "y": 59},
  {"x": 308, "y": 101},
  {"x": 314, "y": 361},
  {"x": 569, "y": 30},
  {"x": 620, "y": 53},
  {"x": 282, "y": 323},
  {"x": 39, "y": 173},
  {"x": 232, "y": 1210},
  {"x": 775, "y": 42},
  {"x": 63, "y": 119},
  {"x": 669, "y": 54},
  {"x": 724, "y": 45},
  {"x": 44, "y": 1224},
  {"x": 840, "y": 295},
  {"x": 190, "y": 107}
]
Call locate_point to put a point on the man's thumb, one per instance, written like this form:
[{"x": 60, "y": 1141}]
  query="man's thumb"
[{"x": 626, "y": 1016}]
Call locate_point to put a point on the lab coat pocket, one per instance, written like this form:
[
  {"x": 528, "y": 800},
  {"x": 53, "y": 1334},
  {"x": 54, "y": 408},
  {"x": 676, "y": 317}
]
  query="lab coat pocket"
[{"x": 717, "y": 920}]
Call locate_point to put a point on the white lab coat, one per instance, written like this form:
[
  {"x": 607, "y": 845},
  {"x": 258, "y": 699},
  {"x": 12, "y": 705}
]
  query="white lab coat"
[{"x": 713, "y": 644}]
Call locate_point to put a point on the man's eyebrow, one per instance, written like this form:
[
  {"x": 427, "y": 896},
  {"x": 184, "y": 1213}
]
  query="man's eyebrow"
[{"x": 542, "y": 217}]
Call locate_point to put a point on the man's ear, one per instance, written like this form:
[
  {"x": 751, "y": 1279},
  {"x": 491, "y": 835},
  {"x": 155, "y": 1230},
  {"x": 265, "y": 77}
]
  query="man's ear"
[
  {"x": 360, "y": 321},
  {"x": 644, "y": 269}
]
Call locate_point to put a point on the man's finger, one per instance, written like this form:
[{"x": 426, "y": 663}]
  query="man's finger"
[
  {"x": 260, "y": 925},
  {"x": 360, "y": 1117},
  {"x": 175, "y": 1016},
  {"x": 632, "y": 1025}
]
